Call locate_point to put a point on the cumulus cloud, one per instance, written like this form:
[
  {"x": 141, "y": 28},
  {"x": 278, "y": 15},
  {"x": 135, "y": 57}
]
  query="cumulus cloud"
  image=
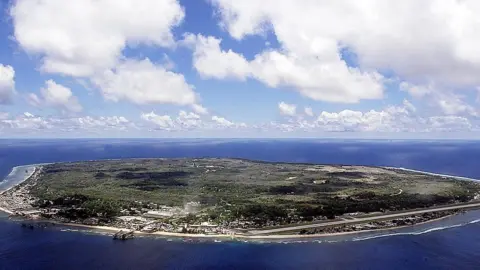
[
  {"x": 308, "y": 111},
  {"x": 184, "y": 121},
  {"x": 102, "y": 123},
  {"x": 448, "y": 123},
  {"x": 7, "y": 83},
  {"x": 379, "y": 33},
  {"x": 447, "y": 102},
  {"x": 143, "y": 82},
  {"x": 326, "y": 78},
  {"x": 199, "y": 109},
  {"x": 87, "y": 39},
  {"x": 222, "y": 121},
  {"x": 317, "y": 38},
  {"x": 392, "y": 119},
  {"x": 28, "y": 123},
  {"x": 162, "y": 121},
  {"x": 287, "y": 109},
  {"x": 212, "y": 62},
  {"x": 452, "y": 104},
  {"x": 188, "y": 121},
  {"x": 57, "y": 96},
  {"x": 83, "y": 37}
]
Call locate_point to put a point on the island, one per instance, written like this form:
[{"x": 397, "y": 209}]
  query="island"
[{"x": 235, "y": 197}]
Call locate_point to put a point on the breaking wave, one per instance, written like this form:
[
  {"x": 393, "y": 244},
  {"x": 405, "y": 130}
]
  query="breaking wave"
[{"x": 415, "y": 233}]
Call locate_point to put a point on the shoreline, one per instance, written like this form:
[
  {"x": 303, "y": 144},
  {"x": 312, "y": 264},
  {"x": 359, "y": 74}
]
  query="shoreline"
[
  {"x": 36, "y": 167},
  {"x": 240, "y": 236},
  {"x": 462, "y": 178}
]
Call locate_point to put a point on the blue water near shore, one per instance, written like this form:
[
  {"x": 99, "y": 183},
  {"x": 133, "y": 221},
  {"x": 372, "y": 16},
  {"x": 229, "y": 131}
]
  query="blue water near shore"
[{"x": 453, "y": 243}]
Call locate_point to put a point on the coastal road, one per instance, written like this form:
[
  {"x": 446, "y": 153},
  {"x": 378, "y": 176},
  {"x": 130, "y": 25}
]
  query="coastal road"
[{"x": 364, "y": 219}]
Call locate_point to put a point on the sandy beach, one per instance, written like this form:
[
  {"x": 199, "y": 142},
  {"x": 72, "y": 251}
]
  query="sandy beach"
[
  {"x": 31, "y": 169},
  {"x": 6, "y": 211},
  {"x": 239, "y": 236}
]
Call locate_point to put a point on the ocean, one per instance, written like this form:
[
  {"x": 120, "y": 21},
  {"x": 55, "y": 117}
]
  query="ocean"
[{"x": 452, "y": 243}]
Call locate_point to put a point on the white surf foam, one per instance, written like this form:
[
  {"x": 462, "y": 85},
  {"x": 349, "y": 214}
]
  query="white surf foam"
[{"x": 414, "y": 233}]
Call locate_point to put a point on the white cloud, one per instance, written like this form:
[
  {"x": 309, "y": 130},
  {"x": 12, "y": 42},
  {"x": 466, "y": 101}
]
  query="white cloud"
[
  {"x": 28, "y": 123},
  {"x": 164, "y": 122},
  {"x": 308, "y": 111},
  {"x": 143, "y": 82},
  {"x": 452, "y": 104},
  {"x": 400, "y": 37},
  {"x": 211, "y": 61},
  {"x": 95, "y": 124},
  {"x": 325, "y": 78},
  {"x": 4, "y": 115},
  {"x": 83, "y": 37},
  {"x": 392, "y": 119},
  {"x": 446, "y": 101},
  {"x": 287, "y": 109},
  {"x": 7, "y": 83},
  {"x": 57, "y": 96},
  {"x": 448, "y": 123},
  {"x": 87, "y": 39},
  {"x": 188, "y": 121},
  {"x": 222, "y": 121},
  {"x": 199, "y": 109},
  {"x": 417, "y": 91}
]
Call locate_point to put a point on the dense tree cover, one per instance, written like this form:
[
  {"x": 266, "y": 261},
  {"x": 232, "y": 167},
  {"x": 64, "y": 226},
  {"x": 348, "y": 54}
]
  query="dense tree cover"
[
  {"x": 262, "y": 212},
  {"x": 231, "y": 190},
  {"x": 78, "y": 206},
  {"x": 152, "y": 176},
  {"x": 372, "y": 203},
  {"x": 302, "y": 188},
  {"x": 101, "y": 175},
  {"x": 351, "y": 175},
  {"x": 150, "y": 181}
]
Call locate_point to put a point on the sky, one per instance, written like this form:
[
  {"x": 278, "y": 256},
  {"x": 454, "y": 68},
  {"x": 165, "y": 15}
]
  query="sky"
[{"x": 240, "y": 69}]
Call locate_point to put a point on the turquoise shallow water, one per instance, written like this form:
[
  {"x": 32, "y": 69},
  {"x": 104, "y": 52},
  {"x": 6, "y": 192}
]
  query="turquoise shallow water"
[
  {"x": 452, "y": 243},
  {"x": 16, "y": 175}
]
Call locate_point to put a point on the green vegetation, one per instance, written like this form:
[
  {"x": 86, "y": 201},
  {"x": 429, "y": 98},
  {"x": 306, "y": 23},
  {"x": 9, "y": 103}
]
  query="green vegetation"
[{"x": 234, "y": 189}]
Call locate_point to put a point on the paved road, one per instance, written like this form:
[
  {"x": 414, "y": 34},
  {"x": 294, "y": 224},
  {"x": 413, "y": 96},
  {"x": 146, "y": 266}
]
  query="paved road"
[{"x": 365, "y": 219}]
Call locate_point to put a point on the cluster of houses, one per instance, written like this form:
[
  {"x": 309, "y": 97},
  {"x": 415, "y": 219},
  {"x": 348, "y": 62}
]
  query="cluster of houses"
[{"x": 149, "y": 225}]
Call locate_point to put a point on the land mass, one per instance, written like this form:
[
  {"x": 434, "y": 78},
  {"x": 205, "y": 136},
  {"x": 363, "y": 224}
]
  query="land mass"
[{"x": 235, "y": 197}]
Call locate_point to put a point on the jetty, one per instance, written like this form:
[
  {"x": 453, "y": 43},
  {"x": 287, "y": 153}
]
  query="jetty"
[{"x": 123, "y": 235}]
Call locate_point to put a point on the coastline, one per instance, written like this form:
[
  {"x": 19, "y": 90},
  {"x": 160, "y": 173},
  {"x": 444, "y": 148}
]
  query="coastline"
[
  {"x": 6, "y": 211},
  {"x": 240, "y": 236},
  {"x": 36, "y": 167},
  {"x": 433, "y": 174}
]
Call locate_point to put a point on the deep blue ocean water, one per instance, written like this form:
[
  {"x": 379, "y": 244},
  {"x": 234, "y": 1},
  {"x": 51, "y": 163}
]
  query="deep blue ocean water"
[{"x": 447, "y": 244}]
